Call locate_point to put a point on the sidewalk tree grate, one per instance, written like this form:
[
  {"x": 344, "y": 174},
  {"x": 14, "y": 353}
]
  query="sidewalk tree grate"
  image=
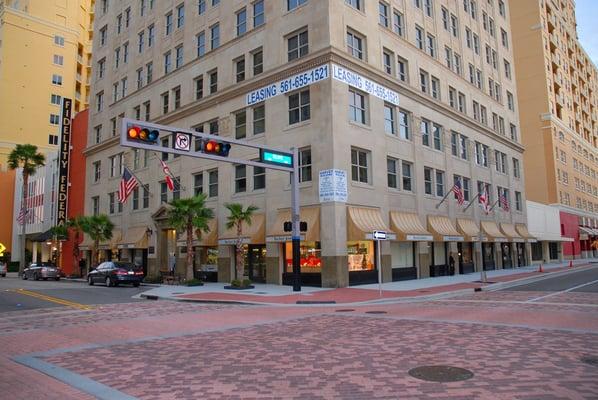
[
  {"x": 344, "y": 310},
  {"x": 591, "y": 360},
  {"x": 376, "y": 312},
  {"x": 441, "y": 373}
]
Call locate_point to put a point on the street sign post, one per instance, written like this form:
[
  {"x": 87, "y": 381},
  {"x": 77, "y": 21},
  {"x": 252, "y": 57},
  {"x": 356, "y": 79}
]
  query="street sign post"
[
  {"x": 185, "y": 142},
  {"x": 378, "y": 236}
]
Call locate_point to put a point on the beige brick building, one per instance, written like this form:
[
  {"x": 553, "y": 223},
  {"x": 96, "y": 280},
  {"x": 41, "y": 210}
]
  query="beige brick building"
[
  {"x": 403, "y": 97},
  {"x": 558, "y": 102}
]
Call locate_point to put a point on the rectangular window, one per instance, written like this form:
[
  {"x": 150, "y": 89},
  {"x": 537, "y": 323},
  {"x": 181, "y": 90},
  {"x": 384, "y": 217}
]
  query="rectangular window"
[
  {"x": 57, "y": 79},
  {"x": 297, "y": 45},
  {"x": 179, "y": 57},
  {"x": 510, "y": 101},
  {"x": 462, "y": 104},
  {"x": 435, "y": 87},
  {"x": 292, "y": 4},
  {"x": 149, "y": 72},
  {"x": 387, "y": 60},
  {"x": 163, "y": 192},
  {"x": 240, "y": 178},
  {"x": 180, "y": 16},
  {"x": 213, "y": 183},
  {"x": 425, "y": 132},
  {"x": 404, "y": 129},
  {"x": 136, "y": 199},
  {"x": 97, "y": 171},
  {"x": 151, "y": 35},
  {"x": 259, "y": 119},
  {"x": 167, "y": 62},
  {"x": 439, "y": 183},
  {"x": 259, "y": 178},
  {"x": 56, "y": 99},
  {"x": 198, "y": 184},
  {"x": 58, "y": 59},
  {"x": 391, "y": 172},
  {"x": 241, "y": 22},
  {"x": 54, "y": 119},
  {"x": 389, "y": 119},
  {"x": 428, "y": 7},
  {"x": 59, "y": 41},
  {"x": 139, "y": 78},
  {"x": 258, "y": 62},
  {"x": 165, "y": 102},
  {"x": 305, "y": 164},
  {"x": 428, "y": 184},
  {"x": 101, "y": 68},
  {"x": 419, "y": 37},
  {"x": 198, "y": 87},
  {"x": 424, "y": 81},
  {"x": 355, "y": 45},
  {"x": 240, "y": 124},
  {"x": 437, "y": 133},
  {"x": 454, "y": 25},
  {"x": 201, "y": 7},
  {"x": 357, "y": 106},
  {"x": 215, "y": 36},
  {"x": 299, "y": 107},
  {"x": 240, "y": 69},
  {"x": 100, "y": 101},
  {"x": 383, "y": 14},
  {"x": 213, "y": 82},
  {"x": 431, "y": 45},
  {"x": 516, "y": 172},
  {"x": 258, "y": 13},
  {"x": 398, "y": 23},
  {"x": 359, "y": 165},
  {"x": 168, "y": 23},
  {"x": 518, "y": 201},
  {"x": 402, "y": 71},
  {"x": 95, "y": 207},
  {"x": 176, "y": 93},
  {"x": 406, "y": 169},
  {"x": 146, "y": 107},
  {"x": 201, "y": 44}
]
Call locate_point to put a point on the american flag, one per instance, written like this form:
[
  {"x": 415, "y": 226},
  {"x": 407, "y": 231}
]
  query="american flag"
[
  {"x": 169, "y": 181},
  {"x": 484, "y": 201},
  {"x": 458, "y": 193},
  {"x": 504, "y": 202},
  {"x": 128, "y": 183},
  {"x": 21, "y": 216}
]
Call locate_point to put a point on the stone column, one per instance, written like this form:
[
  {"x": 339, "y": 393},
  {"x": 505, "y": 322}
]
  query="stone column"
[
  {"x": 424, "y": 256},
  {"x": 386, "y": 261},
  {"x": 274, "y": 263},
  {"x": 528, "y": 253},
  {"x": 335, "y": 272},
  {"x": 453, "y": 248},
  {"x": 545, "y": 252},
  {"x": 226, "y": 263},
  {"x": 498, "y": 255}
]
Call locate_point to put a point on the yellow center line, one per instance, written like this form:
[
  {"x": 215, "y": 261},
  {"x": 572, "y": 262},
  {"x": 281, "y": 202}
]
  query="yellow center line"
[{"x": 53, "y": 299}]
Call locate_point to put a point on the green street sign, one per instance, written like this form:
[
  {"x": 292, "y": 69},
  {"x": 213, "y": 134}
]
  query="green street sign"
[{"x": 276, "y": 158}]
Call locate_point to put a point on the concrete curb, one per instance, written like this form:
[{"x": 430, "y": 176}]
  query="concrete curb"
[{"x": 531, "y": 279}]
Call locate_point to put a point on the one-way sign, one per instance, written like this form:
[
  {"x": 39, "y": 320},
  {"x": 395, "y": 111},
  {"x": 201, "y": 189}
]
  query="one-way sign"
[{"x": 379, "y": 235}]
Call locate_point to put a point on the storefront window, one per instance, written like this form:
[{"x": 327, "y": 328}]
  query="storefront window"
[
  {"x": 537, "y": 251},
  {"x": 206, "y": 258},
  {"x": 439, "y": 253},
  {"x": 466, "y": 253},
  {"x": 361, "y": 255},
  {"x": 488, "y": 252},
  {"x": 310, "y": 261},
  {"x": 401, "y": 254}
]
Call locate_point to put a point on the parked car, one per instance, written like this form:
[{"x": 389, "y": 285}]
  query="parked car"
[
  {"x": 113, "y": 273},
  {"x": 43, "y": 271},
  {"x": 3, "y": 269}
]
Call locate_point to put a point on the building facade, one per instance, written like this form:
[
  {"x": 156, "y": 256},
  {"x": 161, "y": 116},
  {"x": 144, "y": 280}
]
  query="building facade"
[
  {"x": 558, "y": 103},
  {"x": 45, "y": 53},
  {"x": 394, "y": 101}
]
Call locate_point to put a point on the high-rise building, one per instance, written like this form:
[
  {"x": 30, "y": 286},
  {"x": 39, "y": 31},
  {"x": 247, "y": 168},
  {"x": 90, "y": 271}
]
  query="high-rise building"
[
  {"x": 394, "y": 102},
  {"x": 45, "y": 53},
  {"x": 558, "y": 104}
]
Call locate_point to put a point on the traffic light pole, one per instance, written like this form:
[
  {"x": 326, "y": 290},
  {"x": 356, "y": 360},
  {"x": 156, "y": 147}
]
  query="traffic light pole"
[{"x": 296, "y": 233}]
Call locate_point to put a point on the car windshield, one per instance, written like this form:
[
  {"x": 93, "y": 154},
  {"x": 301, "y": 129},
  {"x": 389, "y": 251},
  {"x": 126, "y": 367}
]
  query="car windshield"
[{"x": 127, "y": 266}]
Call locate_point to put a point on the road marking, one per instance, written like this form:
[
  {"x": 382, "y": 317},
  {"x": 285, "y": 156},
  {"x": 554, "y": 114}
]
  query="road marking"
[
  {"x": 52, "y": 299},
  {"x": 501, "y": 302},
  {"x": 562, "y": 291}
]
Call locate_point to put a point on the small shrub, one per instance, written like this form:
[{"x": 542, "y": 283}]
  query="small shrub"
[
  {"x": 194, "y": 282},
  {"x": 246, "y": 282},
  {"x": 152, "y": 279},
  {"x": 235, "y": 283}
]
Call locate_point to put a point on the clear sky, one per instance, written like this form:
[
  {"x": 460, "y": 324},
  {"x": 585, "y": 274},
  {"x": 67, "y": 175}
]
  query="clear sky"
[{"x": 586, "y": 12}]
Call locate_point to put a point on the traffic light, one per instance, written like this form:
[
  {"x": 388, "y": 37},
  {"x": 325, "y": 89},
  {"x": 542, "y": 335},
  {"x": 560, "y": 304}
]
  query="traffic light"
[
  {"x": 216, "y": 148},
  {"x": 140, "y": 134},
  {"x": 288, "y": 226}
]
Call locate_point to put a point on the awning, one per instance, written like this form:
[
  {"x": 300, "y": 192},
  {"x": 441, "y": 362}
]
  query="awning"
[
  {"x": 252, "y": 234},
  {"x": 491, "y": 230},
  {"x": 134, "y": 238},
  {"x": 113, "y": 242},
  {"x": 362, "y": 222},
  {"x": 408, "y": 226},
  {"x": 510, "y": 232},
  {"x": 87, "y": 243},
  {"x": 553, "y": 238},
  {"x": 443, "y": 230},
  {"x": 42, "y": 237},
  {"x": 311, "y": 215},
  {"x": 585, "y": 233},
  {"x": 524, "y": 233},
  {"x": 205, "y": 239},
  {"x": 469, "y": 229}
]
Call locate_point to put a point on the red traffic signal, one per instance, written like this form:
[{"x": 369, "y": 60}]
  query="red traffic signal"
[
  {"x": 216, "y": 148},
  {"x": 140, "y": 134}
]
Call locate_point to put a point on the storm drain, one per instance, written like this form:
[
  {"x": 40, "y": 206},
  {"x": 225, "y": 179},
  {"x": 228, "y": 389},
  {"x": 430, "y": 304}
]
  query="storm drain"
[
  {"x": 590, "y": 360},
  {"x": 344, "y": 310},
  {"x": 376, "y": 312},
  {"x": 441, "y": 373}
]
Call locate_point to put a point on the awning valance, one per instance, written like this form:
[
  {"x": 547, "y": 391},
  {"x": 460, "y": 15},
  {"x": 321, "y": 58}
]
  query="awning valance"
[
  {"x": 408, "y": 226},
  {"x": 469, "y": 229},
  {"x": 362, "y": 222},
  {"x": 585, "y": 233},
  {"x": 134, "y": 238},
  {"x": 524, "y": 233},
  {"x": 209, "y": 238},
  {"x": 491, "y": 230},
  {"x": 311, "y": 215},
  {"x": 510, "y": 232},
  {"x": 442, "y": 229},
  {"x": 252, "y": 234}
]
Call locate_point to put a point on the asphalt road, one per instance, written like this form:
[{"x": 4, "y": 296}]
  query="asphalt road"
[
  {"x": 17, "y": 294},
  {"x": 576, "y": 281}
]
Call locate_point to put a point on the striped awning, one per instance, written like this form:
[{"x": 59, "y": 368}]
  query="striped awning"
[
  {"x": 252, "y": 234},
  {"x": 363, "y": 221},
  {"x": 510, "y": 232},
  {"x": 209, "y": 238},
  {"x": 524, "y": 233},
  {"x": 408, "y": 227},
  {"x": 491, "y": 230},
  {"x": 134, "y": 238},
  {"x": 311, "y": 215},
  {"x": 469, "y": 229},
  {"x": 443, "y": 229}
]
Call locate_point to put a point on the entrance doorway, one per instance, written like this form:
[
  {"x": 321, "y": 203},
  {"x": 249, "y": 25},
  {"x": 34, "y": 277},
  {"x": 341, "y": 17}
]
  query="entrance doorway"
[
  {"x": 488, "y": 256},
  {"x": 521, "y": 255},
  {"x": 466, "y": 265},
  {"x": 168, "y": 253},
  {"x": 507, "y": 259},
  {"x": 255, "y": 262}
]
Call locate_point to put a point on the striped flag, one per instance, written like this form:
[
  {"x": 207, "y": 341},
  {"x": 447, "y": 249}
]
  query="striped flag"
[
  {"x": 458, "y": 193},
  {"x": 21, "y": 216},
  {"x": 484, "y": 201},
  {"x": 168, "y": 176},
  {"x": 504, "y": 202},
  {"x": 128, "y": 183}
]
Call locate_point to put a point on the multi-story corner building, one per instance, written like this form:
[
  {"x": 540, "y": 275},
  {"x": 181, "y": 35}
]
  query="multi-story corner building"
[
  {"x": 401, "y": 99},
  {"x": 45, "y": 54},
  {"x": 558, "y": 102}
]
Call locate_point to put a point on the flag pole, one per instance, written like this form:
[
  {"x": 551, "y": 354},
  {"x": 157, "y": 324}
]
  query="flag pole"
[
  {"x": 471, "y": 202},
  {"x": 174, "y": 178},
  {"x": 445, "y": 196},
  {"x": 140, "y": 181},
  {"x": 493, "y": 205}
]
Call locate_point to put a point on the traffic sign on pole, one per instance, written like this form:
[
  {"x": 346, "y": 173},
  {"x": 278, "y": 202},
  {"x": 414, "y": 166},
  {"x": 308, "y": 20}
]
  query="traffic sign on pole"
[{"x": 379, "y": 235}]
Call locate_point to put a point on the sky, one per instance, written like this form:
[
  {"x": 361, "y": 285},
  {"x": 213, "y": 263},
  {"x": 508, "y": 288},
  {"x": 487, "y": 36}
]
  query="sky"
[{"x": 586, "y": 12}]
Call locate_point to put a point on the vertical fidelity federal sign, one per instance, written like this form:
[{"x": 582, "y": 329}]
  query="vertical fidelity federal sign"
[{"x": 63, "y": 161}]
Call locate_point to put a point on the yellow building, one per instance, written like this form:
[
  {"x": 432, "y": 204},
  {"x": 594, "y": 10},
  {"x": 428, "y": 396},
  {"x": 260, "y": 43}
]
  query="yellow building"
[
  {"x": 45, "y": 52},
  {"x": 558, "y": 103}
]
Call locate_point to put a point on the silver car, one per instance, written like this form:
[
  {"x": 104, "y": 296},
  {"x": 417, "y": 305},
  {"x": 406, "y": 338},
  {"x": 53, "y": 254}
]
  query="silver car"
[
  {"x": 41, "y": 271},
  {"x": 3, "y": 269}
]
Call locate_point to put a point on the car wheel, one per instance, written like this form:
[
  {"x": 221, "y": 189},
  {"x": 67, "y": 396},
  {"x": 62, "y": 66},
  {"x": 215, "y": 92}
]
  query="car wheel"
[
  {"x": 24, "y": 276},
  {"x": 136, "y": 284},
  {"x": 57, "y": 279},
  {"x": 89, "y": 281},
  {"x": 35, "y": 277},
  {"x": 45, "y": 279},
  {"x": 108, "y": 281}
]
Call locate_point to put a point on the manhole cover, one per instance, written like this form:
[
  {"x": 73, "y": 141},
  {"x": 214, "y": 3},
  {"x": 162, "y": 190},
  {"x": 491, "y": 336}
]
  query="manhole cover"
[
  {"x": 591, "y": 360},
  {"x": 375, "y": 312},
  {"x": 345, "y": 310},
  {"x": 440, "y": 373}
]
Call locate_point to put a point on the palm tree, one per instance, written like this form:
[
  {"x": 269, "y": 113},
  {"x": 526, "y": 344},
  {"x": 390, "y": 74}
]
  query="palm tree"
[
  {"x": 59, "y": 233},
  {"x": 76, "y": 224},
  {"x": 190, "y": 215},
  {"x": 237, "y": 217},
  {"x": 99, "y": 228},
  {"x": 25, "y": 156}
]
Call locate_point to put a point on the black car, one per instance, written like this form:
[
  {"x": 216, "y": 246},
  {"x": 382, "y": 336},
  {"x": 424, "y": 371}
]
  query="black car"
[{"x": 112, "y": 273}]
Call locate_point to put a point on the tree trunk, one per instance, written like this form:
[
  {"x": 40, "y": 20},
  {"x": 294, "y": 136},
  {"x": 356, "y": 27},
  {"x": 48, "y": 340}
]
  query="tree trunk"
[
  {"x": 94, "y": 255},
  {"x": 25, "y": 218},
  {"x": 240, "y": 264},
  {"x": 189, "y": 251},
  {"x": 76, "y": 253}
]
